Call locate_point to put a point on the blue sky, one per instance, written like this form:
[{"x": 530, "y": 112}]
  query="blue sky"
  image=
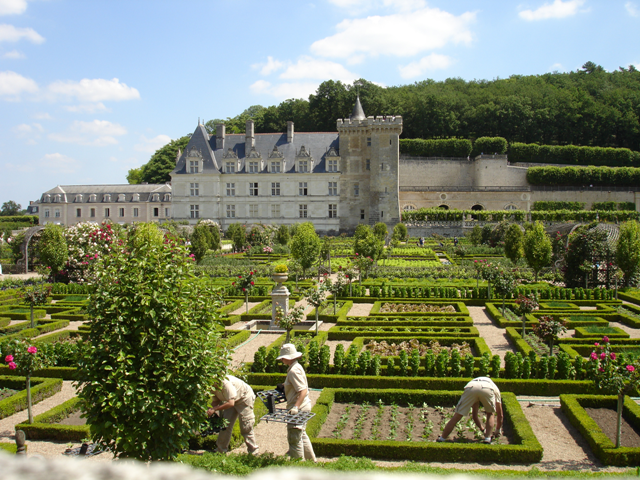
[{"x": 91, "y": 88}]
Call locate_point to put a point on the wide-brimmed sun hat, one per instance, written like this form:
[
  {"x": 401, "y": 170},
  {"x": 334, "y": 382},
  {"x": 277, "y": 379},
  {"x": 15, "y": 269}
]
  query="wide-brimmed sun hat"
[{"x": 288, "y": 351}]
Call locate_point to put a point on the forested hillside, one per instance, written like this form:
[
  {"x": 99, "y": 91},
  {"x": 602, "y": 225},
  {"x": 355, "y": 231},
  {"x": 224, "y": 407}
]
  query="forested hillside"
[{"x": 590, "y": 107}]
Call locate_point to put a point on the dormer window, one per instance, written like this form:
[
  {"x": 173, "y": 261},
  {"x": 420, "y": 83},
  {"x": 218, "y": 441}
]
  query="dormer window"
[
  {"x": 78, "y": 198},
  {"x": 254, "y": 167},
  {"x": 93, "y": 197},
  {"x": 332, "y": 165},
  {"x": 121, "y": 197},
  {"x": 275, "y": 167},
  {"x": 47, "y": 198},
  {"x": 303, "y": 166},
  {"x": 229, "y": 167},
  {"x": 167, "y": 197},
  {"x": 136, "y": 197},
  {"x": 57, "y": 198},
  {"x": 194, "y": 166},
  {"x": 106, "y": 198},
  {"x": 155, "y": 197}
]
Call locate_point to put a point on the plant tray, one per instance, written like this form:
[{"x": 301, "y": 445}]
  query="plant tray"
[
  {"x": 281, "y": 415},
  {"x": 278, "y": 397},
  {"x": 91, "y": 450}
]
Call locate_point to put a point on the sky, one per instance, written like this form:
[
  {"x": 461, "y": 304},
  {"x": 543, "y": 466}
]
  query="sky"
[{"x": 91, "y": 88}]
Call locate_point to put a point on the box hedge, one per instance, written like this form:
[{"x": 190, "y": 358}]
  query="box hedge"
[
  {"x": 425, "y": 321},
  {"x": 349, "y": 333},
  {"x": 460, "y": 308},
  {"x": 526, "y": 450},
  {"x": 604, "y": 449},
  {"x": 41, "y": 388},
  {"x": 45, "y": 426},
  {"x": 611, "y": 332}
]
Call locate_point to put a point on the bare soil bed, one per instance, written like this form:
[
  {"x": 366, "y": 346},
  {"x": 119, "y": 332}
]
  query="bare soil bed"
[
  {"x": 607, "y": 418},
  {"x": 73, "y": 419},
  {"x": 402, "y": 423}
]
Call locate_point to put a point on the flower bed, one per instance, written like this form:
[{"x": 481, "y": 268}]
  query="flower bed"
[
  {"x": 41, "y": 388},
  {"x": 351, "y": 332},
  {"x": 22, "y": 313},
  {"x": 526, "y": 448},
  {"x": 406, "y": 321},
  {"x": 574, "y": 406},
  {"x": 599, "y": 332},
  {"x": 413, "y": 308}
]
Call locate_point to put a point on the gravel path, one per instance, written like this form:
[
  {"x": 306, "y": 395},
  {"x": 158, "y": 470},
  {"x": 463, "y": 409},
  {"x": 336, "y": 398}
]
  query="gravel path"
[
  {"x": 633, "y": 332},
  {"x": 71, "y": 326},
  {"x": 494, "y": 336},
  {"x": 360, "y": 310},
  {"x": 243, "y": 309},
  {"x": 245, "y": 352},
  {"x": 334, "y": 343}
]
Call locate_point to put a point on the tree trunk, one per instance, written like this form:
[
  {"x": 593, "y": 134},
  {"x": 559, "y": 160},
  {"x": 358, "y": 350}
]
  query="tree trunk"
[
  {"x": 489, "y": 290},
  {"x": 551, "y": 347},
  {"x": 32, "y": 325},
  {"x": 288, "y": 339},
  {"x": 335, "y": 301},
  {"x": 503, "y": 297},
  {"x": 29, "y": 410},
  {"x": 524, "y": 325},
  {"x": 317, "y": 310},
  {"x": 246, "y": 301},
  {"x": 619, "y": 423}
]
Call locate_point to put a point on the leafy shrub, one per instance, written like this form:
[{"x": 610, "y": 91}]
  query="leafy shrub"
[{"x": 419, "y": 147}]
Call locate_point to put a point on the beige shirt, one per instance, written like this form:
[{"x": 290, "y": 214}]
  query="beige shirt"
[
  {"x": 296, "y": 382},
  {"x": 487, "y": 383},
  {"x": 234, "y": 389}
]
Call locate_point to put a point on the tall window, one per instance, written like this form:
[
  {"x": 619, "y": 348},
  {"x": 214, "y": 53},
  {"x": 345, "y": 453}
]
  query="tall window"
[
  {"x": 333, "y": 188},
  {"x": 92, "y": 213},
  {"x": 368, "y": 141},
  {"x": 195, "y": 211},
  {"x": 332, "y": 166},
  {"x": 231, "y": 211},
  {"x": 107, "y": 212},
  {"x": 166, "y": 212},
  {"x": 231, "y": 189},
  {"x": 56, "y": 213},
  {"x": 333, "y": 211},
  {"x": 253, "y": 189},
  {"x": 254, "y": 167},
  {"x": 136, "y": 212},
  {"x": 362, "y": 214},
  {"x": 302, "y": 188},
  {"x": 302, "y": 211},
  {"x": 78, "y": 212},
  {"x": 275, "y": 167},
  {"x": 303, "y": 166},
  {"x": 253, "y": 211},
  {"x": 356, "y": 189},
  {"x": 193, "y": 166},
  {"x": 121, "y": 212},
  {"x": 230, "y": 167},
  {"x": 46, "y": 214},
  {"x": 275, "y": 211},
  {"x": 275, "y": 188},
  {"x": 156, "y": 212},
  {"x": 368, "y": 164},
  {"x": 195, "y": 189}
]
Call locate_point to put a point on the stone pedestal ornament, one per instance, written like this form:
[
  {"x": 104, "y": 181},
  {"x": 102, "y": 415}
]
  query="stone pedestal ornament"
[{"x": 279, "y": 298}]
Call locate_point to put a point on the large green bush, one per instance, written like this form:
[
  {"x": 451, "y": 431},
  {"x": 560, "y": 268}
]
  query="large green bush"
[
  {"x": 489, "y": 146},
  {"x": 573, "y": 155},
  {"x": 449, "y": 147},
  {"x": 584, "y": 176},
  {"x": 153, "y": 354}
]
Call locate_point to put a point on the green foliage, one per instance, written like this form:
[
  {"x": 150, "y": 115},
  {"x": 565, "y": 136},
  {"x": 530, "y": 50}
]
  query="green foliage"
[
  {"x": 400, "y": 232},
  {"x": 572, "y": 155},
  {"x": 305, "y": 246},
  {"x": 628, "y": 251},
  {"x": 584, "y": 176},
  {"x": 282, "y": 235},
  {"x": 201, "y": 239},
  {"x": 587, "y": 246},
  {"x": 260, "y": 360},
  {"x": 154, "y": 354},
  {"x": 134, "y": 176},
  {"x": 10, "y": 208},
  {"x": 380, "y": 230},
  {"x": 494, "y": 367},
  {"x": 513, "y": 243},
  {"x": 550, "y": 205},
  {"x": 448, "y": 147},
  {"x": 163, "y": 161},
  {"x": 537, "y": 248},
  {"x": 475, "y": 236},
  {"x": 489, "y": 146}
]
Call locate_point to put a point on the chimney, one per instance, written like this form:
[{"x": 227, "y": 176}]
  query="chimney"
[
  {"x": 289, "y": 132},
  {"x": 249, "y": 138},
  {"x": 220, "y": 133}
]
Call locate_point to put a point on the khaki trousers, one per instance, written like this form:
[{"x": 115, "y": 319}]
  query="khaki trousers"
[
  {"x": 244, "y": 410},
  {"x": 299, "y": 443}
]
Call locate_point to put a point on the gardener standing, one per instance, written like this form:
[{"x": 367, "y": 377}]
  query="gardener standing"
[
  {"x": 235, "y": 399},
  {"x": 481, "y": 389},
  {"x": 296, "y": 391}
]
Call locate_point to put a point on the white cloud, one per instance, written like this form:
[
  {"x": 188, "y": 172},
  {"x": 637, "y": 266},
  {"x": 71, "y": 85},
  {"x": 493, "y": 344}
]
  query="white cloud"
[
  {"x": 430, "y": 62},
  {"x": 402, "y": 34},
  {"x": 94, "y": 90},
  {"x": 308, "y": 67},
  {"x": 25, "y": 128},
  {"x": 556, "y": 67},
  {"x": 9, "y": 33},
  {"x": 59, "y": 163},
  {"x": 43, "y": 116},
  {"x": 97, "y": 133},
  {"x": 285, "y": 90},
  {"x": 12, "y": 7},
  {"x": 150, "y": 145},
  {"x": 87, "y": 108},
  {"x": 13, "y": 55},
  {"x": 268, "y": 68},
  {"x": 557, "y": 9},
  {"x": 13, "y": 85},
  {"x": 632, "y": 9}
]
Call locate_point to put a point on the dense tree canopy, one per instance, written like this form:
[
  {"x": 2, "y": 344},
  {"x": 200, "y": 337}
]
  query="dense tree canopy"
[{"x": 10, "y": 208}]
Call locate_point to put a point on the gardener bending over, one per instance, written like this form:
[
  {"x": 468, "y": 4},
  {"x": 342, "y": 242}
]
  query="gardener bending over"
[
  {"x": 235, "y": 399},
  {"x": 481, "y": 389}
]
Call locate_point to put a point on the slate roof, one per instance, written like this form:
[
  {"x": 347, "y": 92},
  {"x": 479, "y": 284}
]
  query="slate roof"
[
  {"x": 69, "y": 192},
  {"x": 317, "y": 143},
  {"x": 358, "y": 111}
]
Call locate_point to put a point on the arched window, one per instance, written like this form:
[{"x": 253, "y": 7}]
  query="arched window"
[
  {"x": 477, "y": 207},
  {"x": 409, "y": 207},
  {"x": 121, "y": 197},
  {"x": 92, "y": 197},
  {"x": 511, "y": 206},
  {"x": 136, "y": 197},
  {"x": 443, "y": 207},
  {"x": 78, "y": 198},
  {"x": 106, "y": 198}
]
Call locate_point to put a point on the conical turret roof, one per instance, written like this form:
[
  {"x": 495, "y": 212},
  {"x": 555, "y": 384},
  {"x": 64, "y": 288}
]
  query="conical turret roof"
[{"x": 358, "y": 112}]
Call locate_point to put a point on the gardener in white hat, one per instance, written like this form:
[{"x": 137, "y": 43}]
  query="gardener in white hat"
[{"x": 296, "y": 390}]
